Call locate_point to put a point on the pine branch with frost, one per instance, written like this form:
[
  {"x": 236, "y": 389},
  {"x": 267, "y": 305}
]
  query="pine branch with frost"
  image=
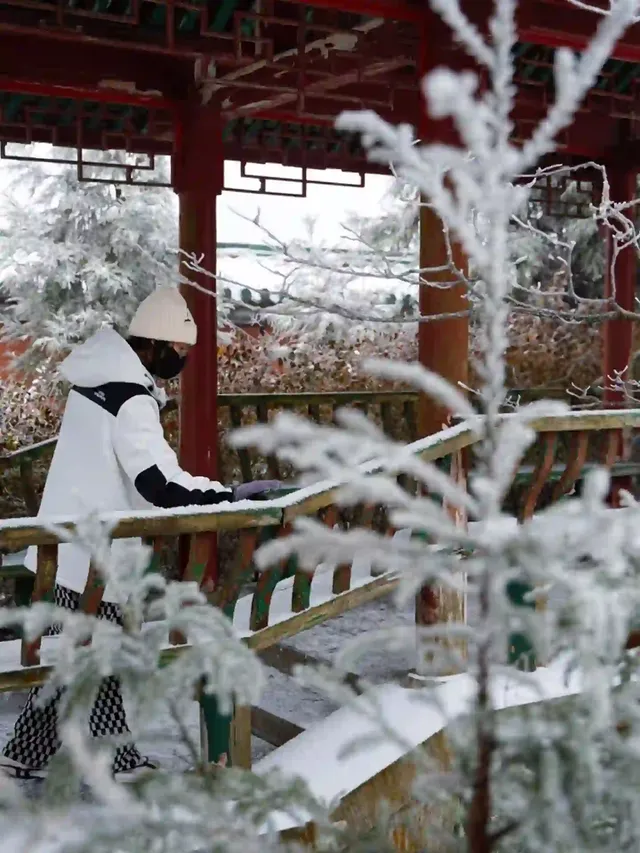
[
  {"x": 512, "y": 775},
  {"x": 151, "y": 609},
  {"x": 347, "y": 453},
  {"x": 171, "y": 813},
  {"x": 84, "y": 809}
]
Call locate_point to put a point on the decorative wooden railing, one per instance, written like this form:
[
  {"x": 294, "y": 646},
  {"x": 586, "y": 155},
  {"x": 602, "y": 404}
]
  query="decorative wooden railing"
[
  {"x": 283, "y": 601},
  {"x": 395, "y": 411},
  {"x": 286, "y": 600}
]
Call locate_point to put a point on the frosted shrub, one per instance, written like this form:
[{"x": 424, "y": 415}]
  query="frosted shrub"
[
  {"x": 553, "y": 776},
  {"x": 83, "y": 808},
  {"x": 75, "y": 257}
]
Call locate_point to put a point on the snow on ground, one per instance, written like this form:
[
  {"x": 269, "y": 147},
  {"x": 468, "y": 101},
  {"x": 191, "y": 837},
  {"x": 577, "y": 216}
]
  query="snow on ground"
[
  {"x": 414, "y": 721},
  {"x": 282, "y": 695}
]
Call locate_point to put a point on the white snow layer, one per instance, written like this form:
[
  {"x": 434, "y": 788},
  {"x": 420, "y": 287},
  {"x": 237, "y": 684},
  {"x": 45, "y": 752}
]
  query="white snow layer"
[{"x": 317, "y": 755}]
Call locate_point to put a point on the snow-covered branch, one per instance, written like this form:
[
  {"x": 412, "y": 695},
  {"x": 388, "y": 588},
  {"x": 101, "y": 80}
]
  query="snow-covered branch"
[
  {"x": 550, "y": 777},
  {"x": 166, "y": 810}
]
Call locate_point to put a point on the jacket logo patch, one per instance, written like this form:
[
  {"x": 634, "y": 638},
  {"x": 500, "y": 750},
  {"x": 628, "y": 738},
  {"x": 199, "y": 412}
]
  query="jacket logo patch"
[{"x": 113, "y": 395}]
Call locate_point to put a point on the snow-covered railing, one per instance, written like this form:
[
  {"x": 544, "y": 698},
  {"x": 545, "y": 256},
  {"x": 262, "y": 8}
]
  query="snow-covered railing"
[
  {"x": 286, "y": 600},
  {"x": 567, "y": 445},
  {"x": 395, "y": 411},
  {"x": 254, "y": 521}
]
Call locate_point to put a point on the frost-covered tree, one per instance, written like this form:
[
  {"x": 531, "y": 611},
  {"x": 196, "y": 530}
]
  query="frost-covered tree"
[
  {"x": 394, "y": 229},
  {"x": 552, "y": 251},
  {"x": 545, "y": 248},
  {"x": 556, "y": 777},
  {"x": 76, "y": 256},
  {"x": 82, "y": 808}
]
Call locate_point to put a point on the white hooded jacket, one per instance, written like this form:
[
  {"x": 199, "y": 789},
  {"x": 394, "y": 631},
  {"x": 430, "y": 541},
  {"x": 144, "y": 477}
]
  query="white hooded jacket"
[{"x": 111, "y": 453}]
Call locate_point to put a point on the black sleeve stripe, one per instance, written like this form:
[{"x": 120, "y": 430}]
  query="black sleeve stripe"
[
  {"x": 112, "y": 396},
  {"x": 153, "y": 486}
]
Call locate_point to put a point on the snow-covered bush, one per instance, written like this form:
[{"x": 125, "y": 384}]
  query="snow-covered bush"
[
  {"x": 78, "y": 256},
  {"x": 30, "y": 409},
  {"x": 82, "y": 807},
  {"x": 542, "y": 352}
]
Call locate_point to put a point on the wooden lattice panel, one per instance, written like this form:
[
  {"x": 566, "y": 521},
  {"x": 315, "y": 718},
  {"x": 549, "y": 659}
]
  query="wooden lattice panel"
[
  {"x": 96, "y": 124},
  {"x": 566, "y": 196}
]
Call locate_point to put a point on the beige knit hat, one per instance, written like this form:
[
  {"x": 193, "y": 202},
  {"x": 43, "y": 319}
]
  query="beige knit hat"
[{"x": 164, "y": 316}]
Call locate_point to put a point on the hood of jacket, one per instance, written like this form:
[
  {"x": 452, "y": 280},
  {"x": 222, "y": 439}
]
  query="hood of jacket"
[{"x": 107, "y": 357}]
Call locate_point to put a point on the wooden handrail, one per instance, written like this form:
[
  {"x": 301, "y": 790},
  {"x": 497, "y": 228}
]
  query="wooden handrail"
[
  {"x": 8, "y": 459},
  {"x": 16, "y": 533},
  {"x": 319, "y": 398},
  {"x": 599, "y": 419},
  {"x": 259, "y": 614},
  {"x": 396, "y": 411},
  {"x": 366, "y": 399}
]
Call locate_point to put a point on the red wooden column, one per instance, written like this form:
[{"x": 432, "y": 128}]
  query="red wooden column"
[
  {"x": 443, "y": 345},
  {"x": 618, "y": 334},
  {"x": 198, "y": 172}
]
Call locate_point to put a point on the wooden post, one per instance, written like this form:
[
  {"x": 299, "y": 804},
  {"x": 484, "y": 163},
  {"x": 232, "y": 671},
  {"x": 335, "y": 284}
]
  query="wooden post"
[
  {"x": 198, "y": 173},
  {"x": 197, "y": 178},
  {"x": 215, "y": 729},
  {"x": 241, "y": 738},
  {"x": 443, "y": 344}
]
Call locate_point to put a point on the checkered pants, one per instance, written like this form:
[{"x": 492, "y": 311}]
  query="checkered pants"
[{"x": 35, "y": 737}]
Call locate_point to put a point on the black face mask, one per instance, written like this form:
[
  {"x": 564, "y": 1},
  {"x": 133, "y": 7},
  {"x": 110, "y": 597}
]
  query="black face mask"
[{"x": 165, "y": 363}]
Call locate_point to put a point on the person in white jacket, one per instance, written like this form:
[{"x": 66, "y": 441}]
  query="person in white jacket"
[{"x": 112, "y": 455}]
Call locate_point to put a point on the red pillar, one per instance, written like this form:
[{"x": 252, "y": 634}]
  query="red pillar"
[
  {"x": 618, "y": 334},
  {"x": 443, "y": 345},
  {"x": 198, "y": 172}
]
